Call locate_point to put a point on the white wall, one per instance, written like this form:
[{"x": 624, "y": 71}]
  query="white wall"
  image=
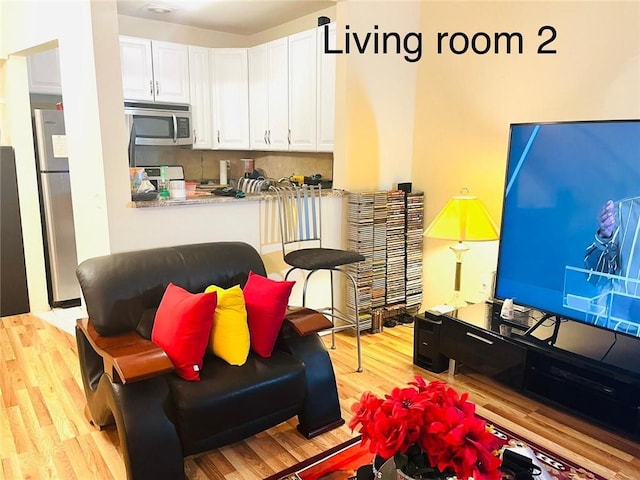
[
  {"x": 16, "y": 131},
  {"x": 375, "y": 98}
]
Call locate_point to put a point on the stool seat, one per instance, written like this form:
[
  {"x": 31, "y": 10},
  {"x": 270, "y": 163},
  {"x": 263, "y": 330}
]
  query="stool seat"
[{"x": 321, "y": 258}]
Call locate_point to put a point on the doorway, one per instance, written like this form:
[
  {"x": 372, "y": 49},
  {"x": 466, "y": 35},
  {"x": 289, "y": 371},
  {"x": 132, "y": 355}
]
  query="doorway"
[{"x": 52, "y": 171}]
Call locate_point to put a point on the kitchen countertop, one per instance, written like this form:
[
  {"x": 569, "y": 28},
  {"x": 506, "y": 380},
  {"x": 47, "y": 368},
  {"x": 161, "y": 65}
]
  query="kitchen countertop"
[{"x": 218, "y": 199}]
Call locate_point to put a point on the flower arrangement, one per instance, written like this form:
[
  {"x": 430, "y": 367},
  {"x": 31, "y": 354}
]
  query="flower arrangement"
[{"x": 431, "y": 431}]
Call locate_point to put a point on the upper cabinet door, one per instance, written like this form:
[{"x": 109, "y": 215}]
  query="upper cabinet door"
[
  {"x": 302, "y": 90},
  {"x": 154, "y": 71},
  {"x": 326, "y": 89},
  {"x": 137, "y": 69},
  {"x": 44, "y": 72},
  {"x": 230, "y": 76},
  {"x": 278, "y": 81},
  {"x": 171, "y": 72},
  {"x": 200, "y": 93},
  {"x": 268, "y": 96},
  {"x": 258, "y": 97}
]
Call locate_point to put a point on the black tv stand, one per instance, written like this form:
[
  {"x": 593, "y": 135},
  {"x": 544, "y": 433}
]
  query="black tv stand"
[{"x": 586, "y": 370}]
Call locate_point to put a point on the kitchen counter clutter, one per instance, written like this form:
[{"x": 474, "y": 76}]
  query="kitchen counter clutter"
[{"x": 217, "y": 199}]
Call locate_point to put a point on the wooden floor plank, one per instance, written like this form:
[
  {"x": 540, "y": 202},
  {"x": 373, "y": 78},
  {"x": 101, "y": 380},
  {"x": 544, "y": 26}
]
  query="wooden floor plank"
[
  {"x": 107, "y": 447},
  {"x": 10, "y": 467},
  {"x": 43, "y": 432},
  {"x": 39, "y": 407},
  {"x": 7, "y": 439},
  {"x": 62, "y": 462},
  {"x": 97, "y": 464}
]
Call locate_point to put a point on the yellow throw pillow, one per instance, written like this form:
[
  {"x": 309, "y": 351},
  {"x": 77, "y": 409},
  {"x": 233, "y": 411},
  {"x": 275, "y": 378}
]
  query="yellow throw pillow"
[{"x": 230, "y": 332}]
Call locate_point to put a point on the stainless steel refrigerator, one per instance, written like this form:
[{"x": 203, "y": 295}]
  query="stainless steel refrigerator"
[{"x": 56, "y": 206}]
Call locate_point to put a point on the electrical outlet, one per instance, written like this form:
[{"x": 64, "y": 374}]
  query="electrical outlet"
[{"x": 486, "y": 285}]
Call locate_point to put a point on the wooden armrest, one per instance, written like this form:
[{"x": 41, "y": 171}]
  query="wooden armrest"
[{"x": 127, "y": 357}]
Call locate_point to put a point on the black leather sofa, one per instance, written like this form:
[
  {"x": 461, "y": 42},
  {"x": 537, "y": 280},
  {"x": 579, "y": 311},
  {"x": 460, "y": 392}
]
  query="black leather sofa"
[{"x": 160, "y": 417}]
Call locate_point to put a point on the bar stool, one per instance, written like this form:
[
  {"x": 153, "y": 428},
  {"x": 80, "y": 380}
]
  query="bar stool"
[{"x": 300, "y": 223}]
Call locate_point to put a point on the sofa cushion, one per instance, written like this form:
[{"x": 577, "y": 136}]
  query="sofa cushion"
[
  {"x": 266, "y": 302},
  {"x": 230, "y": 333},
  {"x": 236, "y": 399},
  {"x": 182, "y": 327},
  {"x": 145, "y": 325}
]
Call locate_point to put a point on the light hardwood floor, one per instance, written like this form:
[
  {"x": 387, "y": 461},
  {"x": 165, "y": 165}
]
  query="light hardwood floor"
[{"x": 44, "y": 435}]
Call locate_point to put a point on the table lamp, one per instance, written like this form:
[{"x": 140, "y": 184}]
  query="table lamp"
[{"x": 463, "y": 218}]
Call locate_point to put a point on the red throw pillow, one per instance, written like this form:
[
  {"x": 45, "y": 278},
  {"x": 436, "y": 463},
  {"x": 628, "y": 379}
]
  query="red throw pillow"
[
  {"x": 182, "y": 328},
  {"x": 266, "y": 301}
]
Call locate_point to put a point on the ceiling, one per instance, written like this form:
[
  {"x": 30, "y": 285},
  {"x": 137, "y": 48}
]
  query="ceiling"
[{"x": 244, "y": 17}]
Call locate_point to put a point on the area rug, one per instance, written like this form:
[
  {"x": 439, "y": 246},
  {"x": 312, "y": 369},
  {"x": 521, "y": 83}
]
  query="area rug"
[{"x": 351, "y": 461}]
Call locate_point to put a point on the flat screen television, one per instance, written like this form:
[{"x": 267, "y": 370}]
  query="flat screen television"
[{"x": 551, "y": 257}]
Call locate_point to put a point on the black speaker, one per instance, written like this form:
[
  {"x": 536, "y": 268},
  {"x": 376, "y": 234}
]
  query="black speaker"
[
  {"x": 426, "y": 343},
  {"x": 405, "y": 187}
]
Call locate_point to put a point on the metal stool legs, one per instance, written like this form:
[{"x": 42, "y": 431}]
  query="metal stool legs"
[{"x": 334, "y": 312}]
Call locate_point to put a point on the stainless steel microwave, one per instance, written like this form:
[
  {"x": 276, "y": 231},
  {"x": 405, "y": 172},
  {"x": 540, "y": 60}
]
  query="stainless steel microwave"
[{"x": 159, "y": 124}]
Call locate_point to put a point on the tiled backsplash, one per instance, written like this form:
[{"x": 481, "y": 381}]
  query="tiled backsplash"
[{"x": 202, "y": 165}]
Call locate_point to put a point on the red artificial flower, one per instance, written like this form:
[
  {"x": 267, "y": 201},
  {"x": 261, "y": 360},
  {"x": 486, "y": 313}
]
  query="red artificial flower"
[
  {"x": 363, "y": 412},
  {"x": 436, "y": 418}
]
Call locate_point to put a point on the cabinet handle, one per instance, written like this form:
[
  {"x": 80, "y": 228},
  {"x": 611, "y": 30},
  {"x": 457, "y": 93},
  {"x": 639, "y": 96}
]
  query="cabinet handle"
[
  {"x": 218, "y": 136},
  {"x": 269, "y": 137},
  {"x": 150, "y": 87},
  {"x": 289, "y": 136},
  {"x": 157, "y": 87},
  {"x": 195, "y": 137},
  {"x": 477, "y": 337},
  {"x": 265, "y": 137}
]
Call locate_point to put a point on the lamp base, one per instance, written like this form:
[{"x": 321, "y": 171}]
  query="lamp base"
[{"x": 457, "y": 301}]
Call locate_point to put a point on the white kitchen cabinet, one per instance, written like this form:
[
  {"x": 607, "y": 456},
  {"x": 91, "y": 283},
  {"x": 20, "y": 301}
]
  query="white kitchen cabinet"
[
  {"x": 44, "y": 72},
  {"x": 302, "y": 91},
  {"x": 200, "y": 93},
  {"x": 268, "y": 96},
  {"x": 154, "y": 71},
  {"x": 171, "y": 72},
  {"x": 282, "y": 93},
  {"x": 137, "y": 68},
  {"x": 326, "y": 97},
  {"x": 258, "y": 97},
  {"x": 230, "y": 97}
]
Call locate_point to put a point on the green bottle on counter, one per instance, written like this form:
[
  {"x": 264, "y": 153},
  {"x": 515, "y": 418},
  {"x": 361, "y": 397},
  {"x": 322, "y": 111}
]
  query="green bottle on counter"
[{"x": 163, "y": 183}]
